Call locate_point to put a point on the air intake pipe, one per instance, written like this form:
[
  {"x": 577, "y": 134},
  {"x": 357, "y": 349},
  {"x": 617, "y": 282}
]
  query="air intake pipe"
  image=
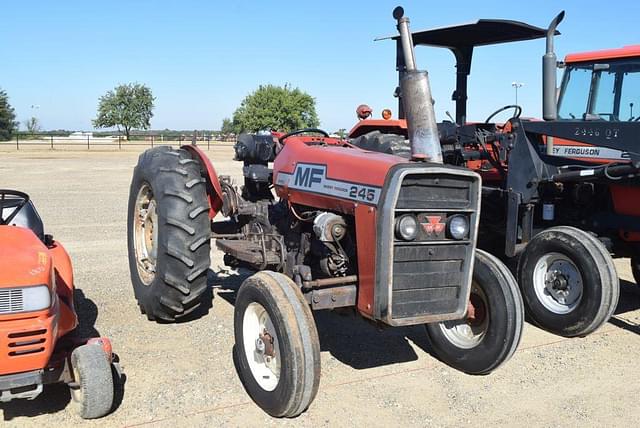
[
  {"x": 416, "y": 100},
  {"x": 549, "y": 73}
]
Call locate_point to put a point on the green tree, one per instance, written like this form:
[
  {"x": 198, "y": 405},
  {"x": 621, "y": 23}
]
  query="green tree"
[
  {"x": 227, "y": 127},
  {"x": 341, "y": 132},
  {"x": 33, "y": 125},
  {"x": 7, "y": 117},
  {"x": 279, "y": 108},
  {"x": 128, "y": 107}
]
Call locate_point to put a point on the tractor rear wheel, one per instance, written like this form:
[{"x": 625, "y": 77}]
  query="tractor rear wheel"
[
  {"x": 568, "y": 280},
  {"x": 277, "y": 347},
  {"x": 491, "y": 331},
  {"x": 168, "y": 234},
  {"x": 635, "y": 268}
]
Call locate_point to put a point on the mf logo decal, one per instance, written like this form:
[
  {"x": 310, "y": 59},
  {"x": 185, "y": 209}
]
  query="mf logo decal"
[
  {"x": 313, "y": 178},
  {"x": 308, "y": 176},
  {"x": 434, "y": 225}
]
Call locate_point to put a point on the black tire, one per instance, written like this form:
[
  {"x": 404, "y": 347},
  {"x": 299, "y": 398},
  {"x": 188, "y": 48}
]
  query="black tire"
[
  {"x": 296, "y": 339},
  {"x": 635, "y": 269},
  {"x": 556, "y": 303},
  {"x": 94, "y": 392},
  {"x": 499, "y": 322},
  {"x": 179, "y": 283}
]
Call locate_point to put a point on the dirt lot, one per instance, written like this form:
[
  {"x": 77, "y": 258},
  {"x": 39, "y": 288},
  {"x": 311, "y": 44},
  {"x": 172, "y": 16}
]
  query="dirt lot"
[{"x": 183, "y": 374}]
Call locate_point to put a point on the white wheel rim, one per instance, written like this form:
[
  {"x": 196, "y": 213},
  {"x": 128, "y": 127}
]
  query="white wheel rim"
[
  {"x": 76, "y": 391},
  {"x": 145, "y": 234},
  {"x": 264, "y": 360},
  {"x": 557, "y": 283},
  {"x": 467, "y": 333}
]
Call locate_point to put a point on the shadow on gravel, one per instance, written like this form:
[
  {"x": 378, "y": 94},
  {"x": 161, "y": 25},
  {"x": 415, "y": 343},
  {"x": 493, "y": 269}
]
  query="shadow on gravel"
[
  {"x": 629, "y": 302},
  {"x": 56, "y": 397},
  {"x": 362, "y": 345},
  {"x": 629, "y": 297}
]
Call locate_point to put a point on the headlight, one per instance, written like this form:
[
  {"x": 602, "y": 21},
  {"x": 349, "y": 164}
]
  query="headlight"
[
  {"x": 458, "y": 226},
  {"x": 407, "y": 227},
  {"x": 24, "y": 299}
]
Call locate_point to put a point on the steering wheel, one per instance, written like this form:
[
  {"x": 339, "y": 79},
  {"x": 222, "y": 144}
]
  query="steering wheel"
[
  {"x": 15, "y": 200},
  {"x": 517, "y": 108},
  {"x": 303, "y": 131}
]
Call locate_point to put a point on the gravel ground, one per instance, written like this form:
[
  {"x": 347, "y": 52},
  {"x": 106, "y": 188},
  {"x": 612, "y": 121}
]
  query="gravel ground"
[{"x": 183, "y": 374}]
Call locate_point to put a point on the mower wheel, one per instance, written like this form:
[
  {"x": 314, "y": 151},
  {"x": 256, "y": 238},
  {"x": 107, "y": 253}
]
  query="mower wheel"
[
  {"x": 491, "y": 331},
  {"x": 93, "y": 390},
  {"x": 168, "y": 233},
  {"x": 277, "y": 348},
  {"x": 635, "y": 268},
  {"x": 568, "y": 280}
]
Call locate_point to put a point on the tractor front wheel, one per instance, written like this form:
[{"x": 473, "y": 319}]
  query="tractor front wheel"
[
  {"x": 168, "y": 234},
  {"x": 568, "y": 280},
  {"x": 491, "y": 331},
  {"x": 277, "y": 347},
  {"x": 92, "y": 391}
]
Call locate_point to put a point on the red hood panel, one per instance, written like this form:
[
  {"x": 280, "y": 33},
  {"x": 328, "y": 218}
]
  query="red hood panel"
[{"x": 24, "y": 259}]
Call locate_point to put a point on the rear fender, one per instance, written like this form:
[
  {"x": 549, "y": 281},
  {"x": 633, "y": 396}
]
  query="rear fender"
[{"x": 214, "y": 191}]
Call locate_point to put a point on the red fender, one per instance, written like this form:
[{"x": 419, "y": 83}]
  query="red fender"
[{"x": 214, "y": 191}]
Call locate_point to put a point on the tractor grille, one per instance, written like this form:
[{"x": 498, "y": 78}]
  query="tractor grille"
[
  {"x": 428, "y": 279},
  {"x": 11, "y": 301}
]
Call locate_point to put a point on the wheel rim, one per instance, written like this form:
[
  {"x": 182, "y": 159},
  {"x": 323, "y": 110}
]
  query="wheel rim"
[
  {"x": 468, "y": 332},
  {"x": 557, "y": 283},
  {"x": 145, "y": 233},
  {"x": 261, "y": 346},
  {"x": 76, "y": 391}
]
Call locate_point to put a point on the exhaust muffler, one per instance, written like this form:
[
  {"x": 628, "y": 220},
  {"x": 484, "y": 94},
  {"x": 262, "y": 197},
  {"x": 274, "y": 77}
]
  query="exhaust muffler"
[{"x": 416, "y": 100}]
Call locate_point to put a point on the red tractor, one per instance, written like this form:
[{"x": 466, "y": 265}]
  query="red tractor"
[
  {"x": 324, "y": 225},
  {"x": 559, "y": 195},
  {"x": 38, "y": 344}
]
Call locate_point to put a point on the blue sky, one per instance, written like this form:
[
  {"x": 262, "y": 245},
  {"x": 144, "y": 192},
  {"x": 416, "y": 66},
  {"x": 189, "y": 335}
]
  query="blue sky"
[{"x": 201, "y": 58}]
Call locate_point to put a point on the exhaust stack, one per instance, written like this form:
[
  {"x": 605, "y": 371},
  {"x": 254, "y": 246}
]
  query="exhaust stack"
[
  {"x": 549, "y": 74},
  {"x": 416, "y": 100}
]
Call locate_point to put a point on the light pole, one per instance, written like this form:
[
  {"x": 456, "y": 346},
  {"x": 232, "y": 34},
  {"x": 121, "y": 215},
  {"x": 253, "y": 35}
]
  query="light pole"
[{"x": 517, "y": 85}]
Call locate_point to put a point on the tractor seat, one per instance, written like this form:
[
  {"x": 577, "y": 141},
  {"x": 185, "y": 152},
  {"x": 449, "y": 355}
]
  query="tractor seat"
[{"x": 27, "y": 217}]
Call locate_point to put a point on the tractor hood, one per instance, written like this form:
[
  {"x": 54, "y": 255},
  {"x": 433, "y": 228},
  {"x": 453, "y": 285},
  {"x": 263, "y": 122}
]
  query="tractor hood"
[{"x": 24, "y": 259}]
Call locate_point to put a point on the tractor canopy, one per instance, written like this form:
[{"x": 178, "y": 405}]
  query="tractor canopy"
[{"x": 461, "y": 40}]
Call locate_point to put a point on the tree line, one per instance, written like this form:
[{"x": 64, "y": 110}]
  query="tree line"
[{"x": 130, "y": 106}]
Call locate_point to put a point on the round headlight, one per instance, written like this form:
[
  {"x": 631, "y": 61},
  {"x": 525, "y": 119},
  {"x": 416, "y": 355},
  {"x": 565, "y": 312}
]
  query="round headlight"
[
  {"x": 458, "y": 226},
  {"x": 407, "y": 227}
]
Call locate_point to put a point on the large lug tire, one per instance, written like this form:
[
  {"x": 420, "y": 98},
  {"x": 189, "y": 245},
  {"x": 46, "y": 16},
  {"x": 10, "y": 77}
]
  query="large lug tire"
[
  {"x": 568, "y": 280},
  {"x": 277, "y": 347},
  {"x": 168, "y": 234},
  {"x": 93, "y": 391},
  {"x": 635, "y": 268},
  {"x": 491, "y": 331}
]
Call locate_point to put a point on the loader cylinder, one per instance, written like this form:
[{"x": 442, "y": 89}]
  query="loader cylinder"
[{"x": 420, "y": 116}]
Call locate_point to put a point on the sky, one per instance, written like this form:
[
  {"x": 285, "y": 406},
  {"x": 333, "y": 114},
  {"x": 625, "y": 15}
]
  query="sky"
[{"x": 201, "y": 58}]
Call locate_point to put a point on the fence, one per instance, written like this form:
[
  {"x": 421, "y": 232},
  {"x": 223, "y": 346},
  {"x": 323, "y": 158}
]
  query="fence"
[{"x": 88, "y": 141}]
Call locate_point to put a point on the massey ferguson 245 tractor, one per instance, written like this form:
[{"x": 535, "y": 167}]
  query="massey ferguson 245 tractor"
[
  {"x": 560, "y": 194},
  {"x": 329, "y": 225},
  {"x": 38, "y": 344}
]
